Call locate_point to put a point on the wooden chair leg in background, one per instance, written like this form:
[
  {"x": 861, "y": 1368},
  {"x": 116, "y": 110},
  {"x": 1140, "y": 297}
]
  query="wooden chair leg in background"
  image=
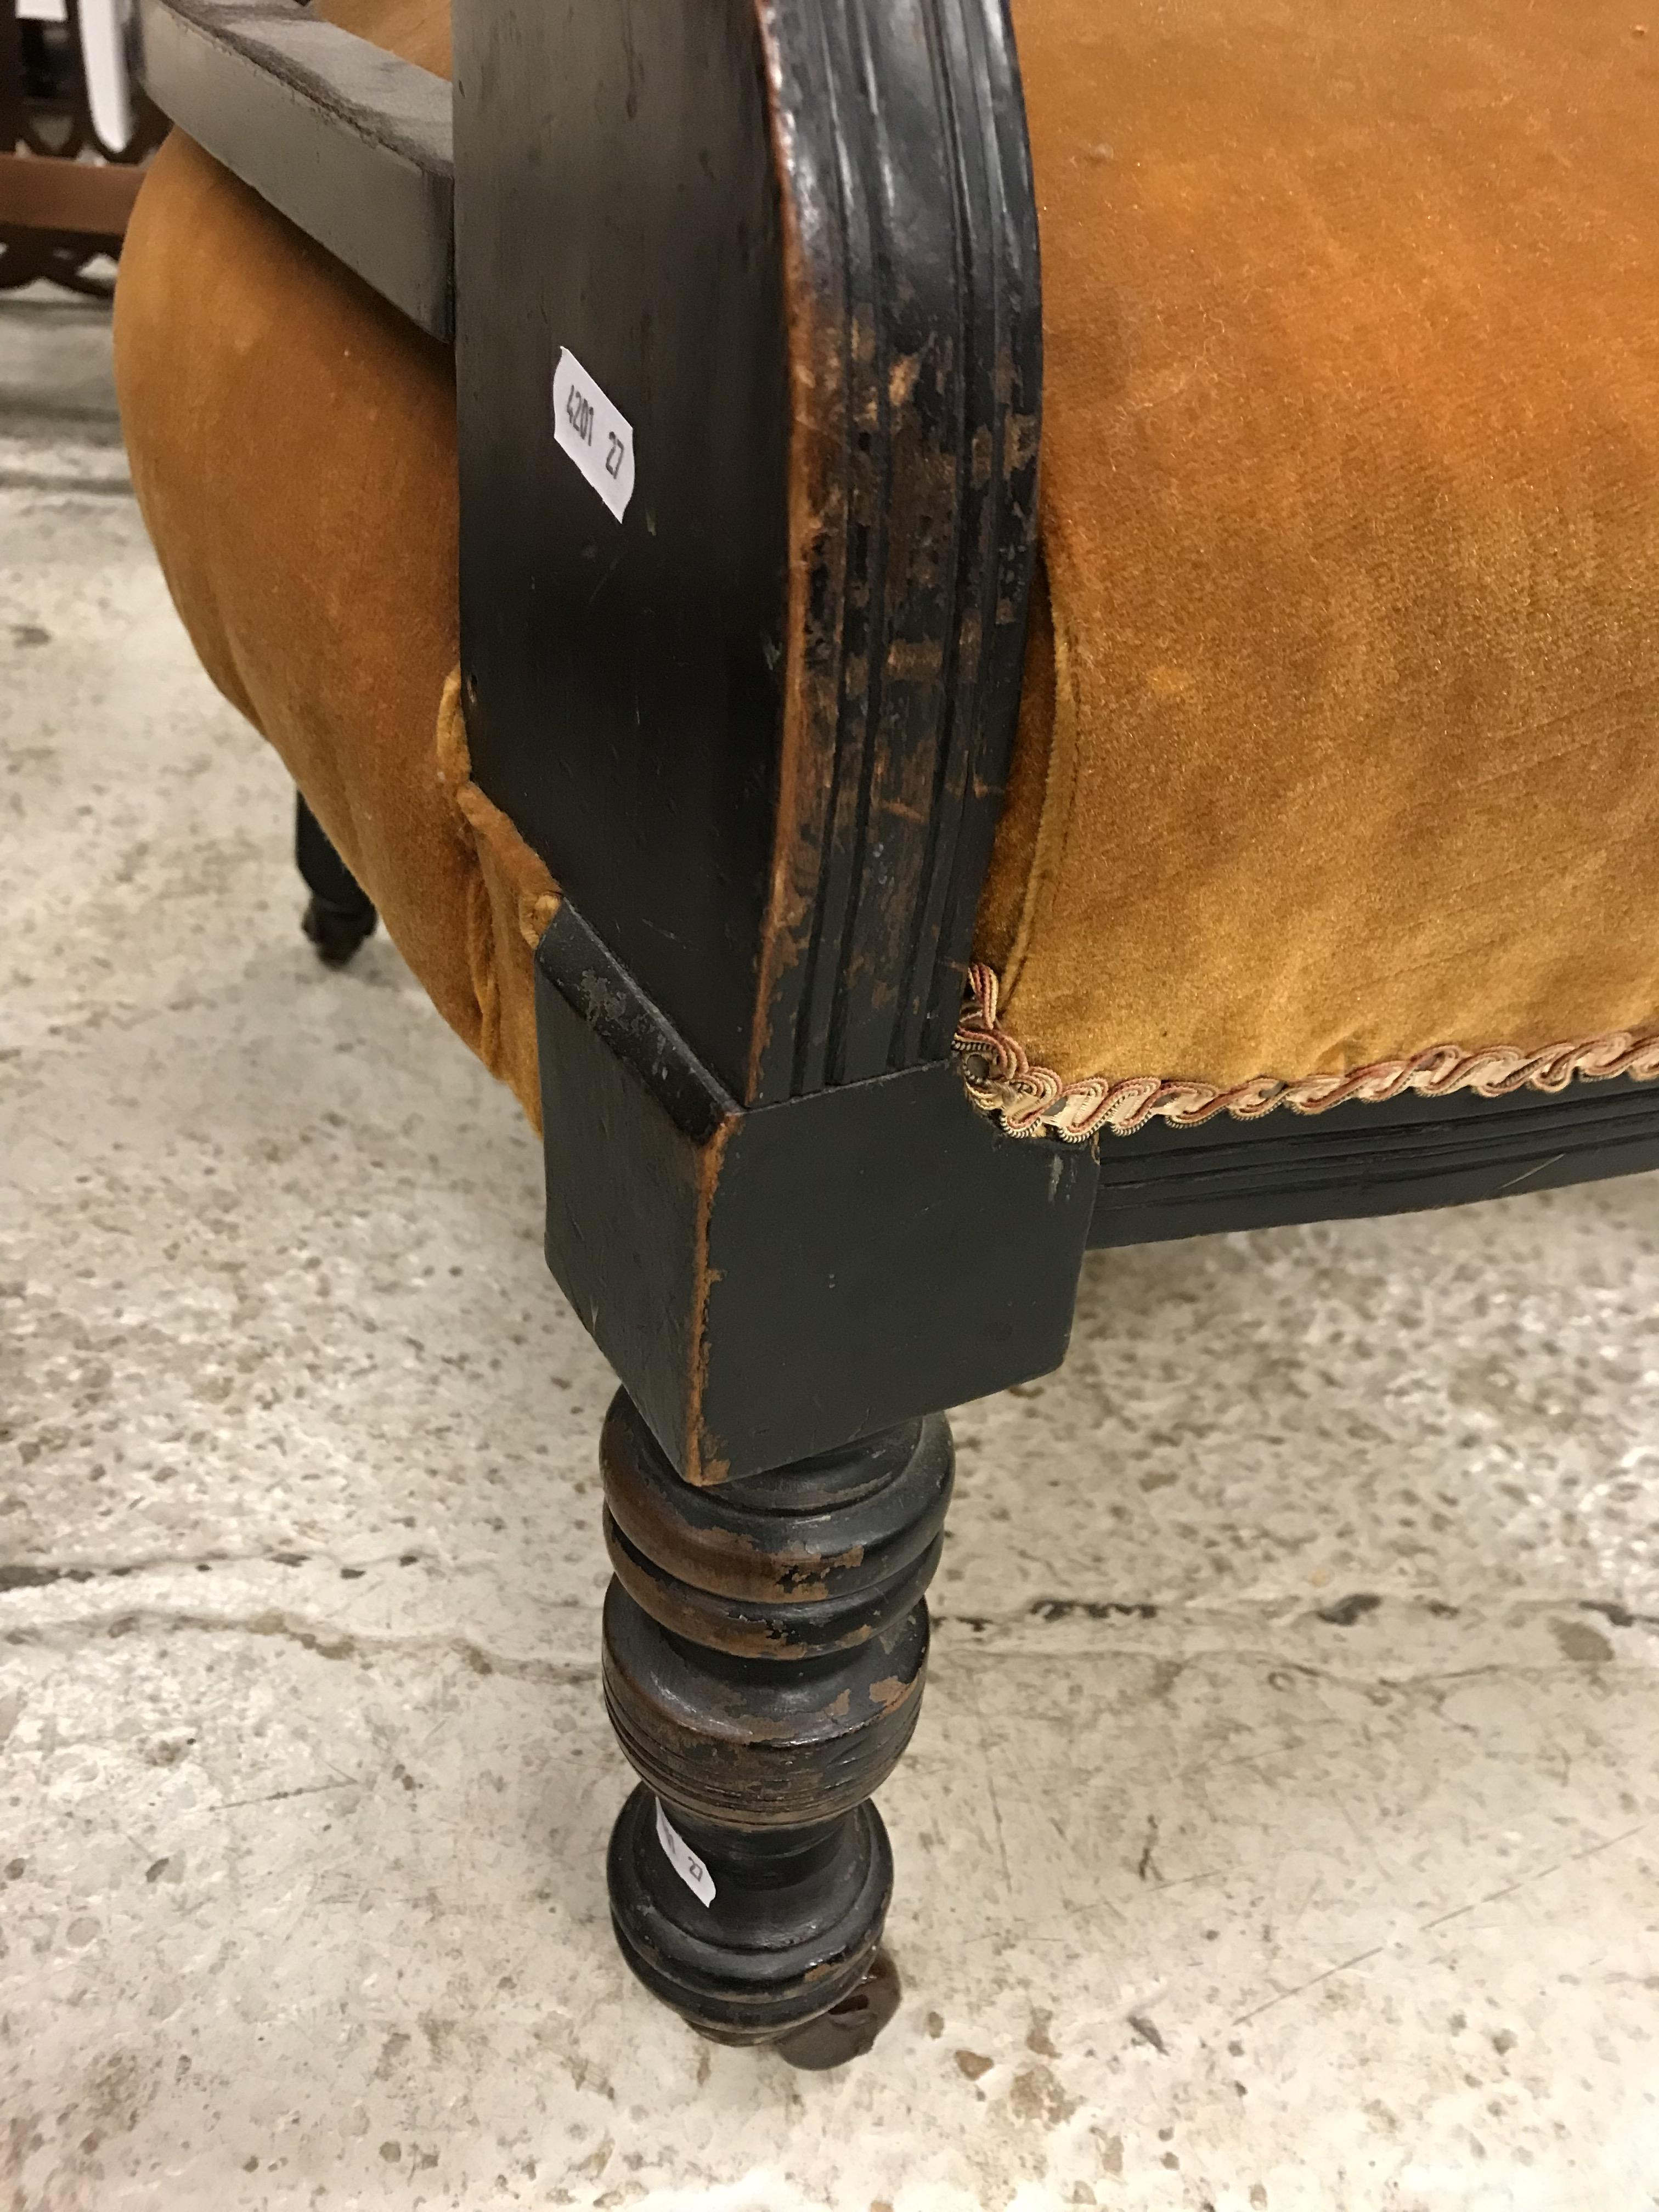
[
  {"x": 765, "y": 1645},
  {"x": 340, "y": 915}
]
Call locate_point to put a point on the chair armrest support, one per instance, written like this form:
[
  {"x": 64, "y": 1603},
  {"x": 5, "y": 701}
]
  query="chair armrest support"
[{"x": 350, "y": 143}]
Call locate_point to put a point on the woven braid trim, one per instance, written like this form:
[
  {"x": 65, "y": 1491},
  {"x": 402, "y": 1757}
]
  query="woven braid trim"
[{"x": 1032, "y": 1102}]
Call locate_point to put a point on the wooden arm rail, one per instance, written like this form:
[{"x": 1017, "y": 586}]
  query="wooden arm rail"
[{"x": 350, "y": 143}]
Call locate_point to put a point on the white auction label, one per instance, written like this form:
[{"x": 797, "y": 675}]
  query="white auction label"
[
  {"x": 683, "y": 1860},
  {"x": 598, "y": 436}
]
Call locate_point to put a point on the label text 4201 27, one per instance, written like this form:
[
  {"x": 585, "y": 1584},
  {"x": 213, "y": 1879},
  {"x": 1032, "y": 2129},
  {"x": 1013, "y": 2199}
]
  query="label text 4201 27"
[{"x": 595, "y": 434}]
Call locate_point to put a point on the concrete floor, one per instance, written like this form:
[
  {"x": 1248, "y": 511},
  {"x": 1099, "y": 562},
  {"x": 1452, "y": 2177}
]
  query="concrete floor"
[{"x": 1283, "y": 1827}]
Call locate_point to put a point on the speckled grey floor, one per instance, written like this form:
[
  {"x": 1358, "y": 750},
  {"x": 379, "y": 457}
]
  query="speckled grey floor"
[{"x": 1283, "y": 1827}]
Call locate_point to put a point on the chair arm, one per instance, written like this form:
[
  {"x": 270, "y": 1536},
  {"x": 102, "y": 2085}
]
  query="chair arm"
[{"x": 350, "y": 143}]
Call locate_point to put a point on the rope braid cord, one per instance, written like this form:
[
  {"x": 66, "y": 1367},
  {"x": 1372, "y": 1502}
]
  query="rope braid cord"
[{"x": 1031, "y": 1100}]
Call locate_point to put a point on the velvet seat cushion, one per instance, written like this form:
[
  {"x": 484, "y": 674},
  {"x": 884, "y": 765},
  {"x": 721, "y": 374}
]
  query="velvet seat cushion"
[
  {"x": 1337, "y": 756},
  {"x": 1346, "y": 750}
]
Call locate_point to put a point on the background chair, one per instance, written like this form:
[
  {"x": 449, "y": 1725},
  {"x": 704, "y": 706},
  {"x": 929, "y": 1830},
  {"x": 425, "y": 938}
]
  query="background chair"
[{"x": 73, "y": 135}]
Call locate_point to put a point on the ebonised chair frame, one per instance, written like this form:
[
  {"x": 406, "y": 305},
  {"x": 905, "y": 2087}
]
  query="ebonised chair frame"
[{"x": 763, "y": 756}]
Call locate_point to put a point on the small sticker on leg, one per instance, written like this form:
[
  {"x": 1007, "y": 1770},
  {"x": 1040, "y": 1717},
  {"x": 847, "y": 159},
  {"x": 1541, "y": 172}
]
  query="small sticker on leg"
[{"x": 683, "y": 1860}]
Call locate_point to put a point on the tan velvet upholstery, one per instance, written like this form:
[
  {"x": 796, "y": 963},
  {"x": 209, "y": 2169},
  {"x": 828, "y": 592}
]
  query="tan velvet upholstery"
[
  {"x": 1340, "y": 733},
  {"x": 1351, "y": 514},
  {"x": 293, "y": 448}
]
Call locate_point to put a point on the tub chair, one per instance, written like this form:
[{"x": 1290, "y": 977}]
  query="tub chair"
[{"x": 947, "y": 631}]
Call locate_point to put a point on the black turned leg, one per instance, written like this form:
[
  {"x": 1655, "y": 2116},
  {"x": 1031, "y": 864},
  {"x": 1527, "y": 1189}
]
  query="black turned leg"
[
  {"x": 765, "y": 1643},
  {"x": 340, "y": 914}
]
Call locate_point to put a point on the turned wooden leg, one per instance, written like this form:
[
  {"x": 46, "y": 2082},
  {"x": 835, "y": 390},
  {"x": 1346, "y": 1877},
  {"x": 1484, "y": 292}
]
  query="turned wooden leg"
[
  {"x": 340, "y": 914},
  {"x": 765, "y": 1643}
]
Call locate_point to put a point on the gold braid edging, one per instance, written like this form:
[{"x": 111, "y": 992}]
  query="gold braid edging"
[{"x": 1031, "y": 1100}]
